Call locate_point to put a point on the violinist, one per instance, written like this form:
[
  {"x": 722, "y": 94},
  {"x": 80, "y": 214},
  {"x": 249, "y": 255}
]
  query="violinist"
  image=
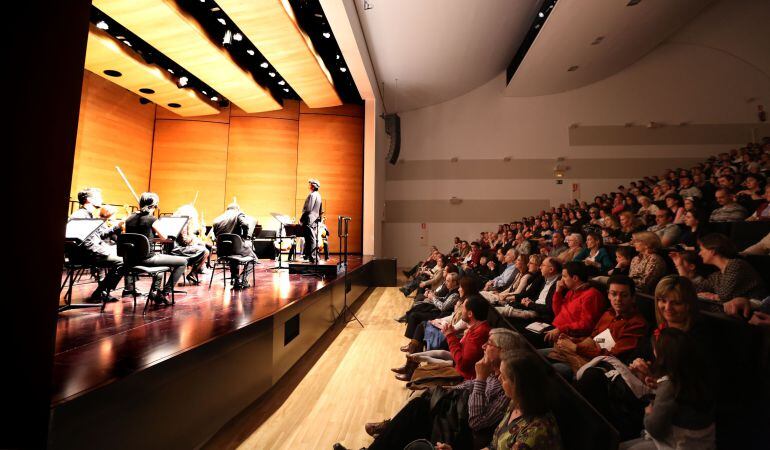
[
  {"x": 235, "y": 221},
  {"x": 142, "y": 222},
  {"x": 189, "y": 245},
  {"x": 96, "y": 250}
]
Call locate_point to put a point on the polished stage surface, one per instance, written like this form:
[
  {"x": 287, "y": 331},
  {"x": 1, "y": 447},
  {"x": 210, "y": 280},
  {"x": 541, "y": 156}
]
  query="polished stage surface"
[{"x": 94, "y": 349}]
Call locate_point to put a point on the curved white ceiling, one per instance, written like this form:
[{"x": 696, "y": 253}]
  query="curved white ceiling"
[
  {"x": 627, "y": 34},
  {"x": 440, "y": 49}
]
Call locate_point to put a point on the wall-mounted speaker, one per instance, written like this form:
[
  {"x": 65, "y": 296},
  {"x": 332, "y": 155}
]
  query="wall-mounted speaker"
[{"x": 393, "y": 129}]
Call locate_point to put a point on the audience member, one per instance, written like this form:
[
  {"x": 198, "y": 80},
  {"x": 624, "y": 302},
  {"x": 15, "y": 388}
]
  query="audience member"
[{"x": 648, "y": 266}]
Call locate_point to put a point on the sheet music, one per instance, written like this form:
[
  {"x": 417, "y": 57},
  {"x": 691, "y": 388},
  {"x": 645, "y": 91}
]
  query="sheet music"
[
  {"x": 538, "y": 327},
  {"x": 80, "y": 229},
  {"x": 171, "y": 226}
]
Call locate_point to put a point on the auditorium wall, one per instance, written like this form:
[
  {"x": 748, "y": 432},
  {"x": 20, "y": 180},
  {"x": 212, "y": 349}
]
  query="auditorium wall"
[
  {"x": 496, "y": 155},
  {"x": 263, "y": 160}
]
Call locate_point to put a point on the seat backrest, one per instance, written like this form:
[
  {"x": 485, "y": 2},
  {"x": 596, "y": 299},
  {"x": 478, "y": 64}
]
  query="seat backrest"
[
  {"x": 133, "y": 247},
  {"x": 228, "y": 244}
]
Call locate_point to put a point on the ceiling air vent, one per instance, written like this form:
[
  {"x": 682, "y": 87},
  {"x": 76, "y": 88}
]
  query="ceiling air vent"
[{"x": 633, "y": 2}]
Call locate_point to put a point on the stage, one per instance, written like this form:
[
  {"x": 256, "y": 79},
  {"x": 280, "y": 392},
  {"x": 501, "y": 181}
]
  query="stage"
[{"x": 173, "y": 376}]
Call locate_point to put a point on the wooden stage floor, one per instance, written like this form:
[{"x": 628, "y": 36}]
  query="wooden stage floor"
[{"x": 94, "y": 349}]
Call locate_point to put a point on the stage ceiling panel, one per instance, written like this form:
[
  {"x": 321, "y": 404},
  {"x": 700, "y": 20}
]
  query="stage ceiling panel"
[
  {"x": 106, "y": 56},
  {"x": 163, "y": 25},
  {"x": 272, "y": 27}
]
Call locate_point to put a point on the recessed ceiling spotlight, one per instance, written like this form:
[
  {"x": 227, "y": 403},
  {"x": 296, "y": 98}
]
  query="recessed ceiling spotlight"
[
  {"x": 327, "y": 35},
  {"x": 285, "y": 90},
  {"x": 272, "y": 74},
  {"x": 102, "y": 25},
  {"x": 572, "y": 68},
  {"x": 127, "y": 43},
  {"x": 215, "y": 9},
  {"x": 183, "y": 81},
  {"x": 228, "y": 39},
  {"x": 338, "y": 57},
  {"x": 250, "y": 52},
  {"x": 222, "y": 21},
  {"x": 540, "y": 15},
  {"x": 343, "y": 70},
  {"x": 281, "y": 83},
  {"x": 238, "y": 37},
  {"x": 204, "y": 93},
  {"x": 318, "y": 15},
  {"x": 120, "y": 37},
  {"x": 170, "y": 71},
  {"x": 264, "y": 65},
  {"x": 214, "y": 98}
]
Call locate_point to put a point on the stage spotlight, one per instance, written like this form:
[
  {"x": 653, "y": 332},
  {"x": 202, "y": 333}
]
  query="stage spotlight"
[
  {"x": 228, "y": 38},
  {"x": 285, "y": 90},
  {"x": 214, "y": 98},
  {"x": 250, "y": 52},
  {"x": 102, "y": 25},
  {"x": 222, "y": 21},
  {"x": 204, "y": 93},
  {"x": 272, "y": 74},
  {"x": 238, "y": 37},
  {"x": 327, "y": 35},
  {"x": 183, "y": 81},
  {"x": 338, "y": 57},
  {"x": 170, "y": 71},
  {"x": 281, "y": 83},
  {"x": 540, "y": 15},
  {"x": 127, "y": 43},
  {"x": 343, "y": 70},
  {"x": 264, "y": 65}
]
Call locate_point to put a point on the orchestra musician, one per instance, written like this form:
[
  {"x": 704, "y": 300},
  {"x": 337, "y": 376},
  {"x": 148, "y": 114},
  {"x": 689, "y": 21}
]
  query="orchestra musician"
[
  {"x": 96, "y": 250},
  {"x": 235, "y": 221},
  {"x": 311, "y": 215},
  {"x": 323, "y": 232},
  {"x": 189, "y": 243},
  {"x": 142, "y": 222}
]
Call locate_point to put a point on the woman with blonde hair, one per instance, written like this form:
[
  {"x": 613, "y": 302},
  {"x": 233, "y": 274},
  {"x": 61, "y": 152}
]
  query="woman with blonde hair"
[
  {"x": 189, "y": 244},
  {"x": 648, "y": 266}
]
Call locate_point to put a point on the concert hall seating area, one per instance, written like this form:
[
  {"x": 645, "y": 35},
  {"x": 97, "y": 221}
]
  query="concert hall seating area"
[{"x": 725, "y": 200}]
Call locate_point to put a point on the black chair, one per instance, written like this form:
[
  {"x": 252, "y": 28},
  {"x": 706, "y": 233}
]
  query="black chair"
[
  {"x": 76, "y": 264},
  {"x": 228, "y": 251},
  {"x": 135, "y": 248}
]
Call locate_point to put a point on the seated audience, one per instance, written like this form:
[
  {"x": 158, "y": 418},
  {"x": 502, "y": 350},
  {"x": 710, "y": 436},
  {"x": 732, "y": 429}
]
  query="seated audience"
[
  {"x": 619, "y": 332},
  {"x": 762, "y": 212},
  {"x": 729, "y": 210},
  {"x": 623, "y": 256},
  {"x": 463, "y": 352},
  {"x": 528, "y": 423},
  {"x": 520, "y": 282},
  {"x": 577, "y": 306},
  {"x": 486, "y": 399},
  {"x": 556, "y": 248},
  {"x": 682, "y": 414},
  {"x": 505, "y": 279},
  {"x": 522, "y": 246},
  {"x": 574, "y": 246},
  {"x": 595, "y": 256},
  {"x": 760, "y": 248},
  {"x": 734, "y": 277},
  {"x": 536, "y": 305},
  {"x": 648, "y": 266},
  {"x": 693, "y": 229},
  {"x": 426, "y": 278},
  {"x": 433, "y": 306},
  {"x": 668, "y": 232}
]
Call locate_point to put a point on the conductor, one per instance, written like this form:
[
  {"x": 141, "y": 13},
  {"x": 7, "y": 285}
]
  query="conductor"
[{"x": 311, "y": 215}]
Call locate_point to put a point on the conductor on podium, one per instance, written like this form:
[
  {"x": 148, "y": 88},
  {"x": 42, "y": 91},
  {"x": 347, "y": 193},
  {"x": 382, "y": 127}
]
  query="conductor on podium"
[{"x": 311, "y": 215}]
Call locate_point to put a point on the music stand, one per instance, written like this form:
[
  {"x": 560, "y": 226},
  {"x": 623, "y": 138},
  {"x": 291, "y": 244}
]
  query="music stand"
[
  {"x": 75, "y": 234},
  {"x": 171, "y": 226},
  {"x": 343, "y": 225},
  {"x": 284, "y": 221}
]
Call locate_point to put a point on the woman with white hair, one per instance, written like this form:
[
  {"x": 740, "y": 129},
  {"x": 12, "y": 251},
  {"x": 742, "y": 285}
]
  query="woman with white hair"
[{"x": 574, "y": 246}]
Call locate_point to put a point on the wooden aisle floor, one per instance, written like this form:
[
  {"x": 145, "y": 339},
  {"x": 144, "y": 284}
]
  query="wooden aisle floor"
[{"x": 319, "y": 403}]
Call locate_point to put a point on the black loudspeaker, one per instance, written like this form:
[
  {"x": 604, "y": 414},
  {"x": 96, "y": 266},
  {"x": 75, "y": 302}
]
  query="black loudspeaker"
[{"x": 393, "y": 129}]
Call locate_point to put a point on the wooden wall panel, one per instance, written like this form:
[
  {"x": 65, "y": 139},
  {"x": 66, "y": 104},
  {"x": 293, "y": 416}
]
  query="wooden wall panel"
[
  {"x": 113, "y": 129},
  {"x": 262, "y": 166},
  {"x": 190, "y": 156},
  {"x": 331, "y": 150}
]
